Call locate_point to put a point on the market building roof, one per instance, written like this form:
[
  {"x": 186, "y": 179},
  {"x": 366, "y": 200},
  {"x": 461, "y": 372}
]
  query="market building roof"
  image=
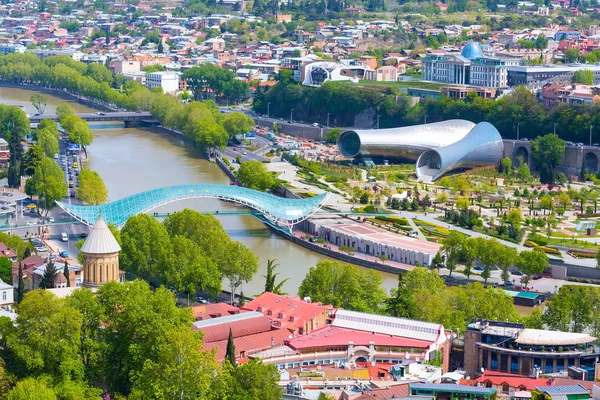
[{"x": 562, "y": 390}]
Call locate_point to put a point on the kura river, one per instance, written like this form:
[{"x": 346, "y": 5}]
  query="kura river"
[{"x": 132, "y": 160}]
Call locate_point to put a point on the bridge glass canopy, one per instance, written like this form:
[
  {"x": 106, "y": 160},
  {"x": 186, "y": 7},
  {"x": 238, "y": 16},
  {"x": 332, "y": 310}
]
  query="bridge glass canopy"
[{"x": 286, "y": 211}]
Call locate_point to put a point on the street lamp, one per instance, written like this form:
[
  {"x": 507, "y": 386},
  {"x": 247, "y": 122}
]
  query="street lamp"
[
  {"x": 518, "y": 123},
  {"x": 328, "y": 114},
  {"x": 426, "y": 118},
  {"x": 269, "y": 110},
  {"x": 556, "y": 123},
  {"x": 591, "y": 127},
  {"x": 378, "y": 121},
  {"x": 292, "y": 115}
]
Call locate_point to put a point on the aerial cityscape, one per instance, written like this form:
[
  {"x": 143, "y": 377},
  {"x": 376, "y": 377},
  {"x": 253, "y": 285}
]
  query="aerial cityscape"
[{"x": 312, "y": 200}]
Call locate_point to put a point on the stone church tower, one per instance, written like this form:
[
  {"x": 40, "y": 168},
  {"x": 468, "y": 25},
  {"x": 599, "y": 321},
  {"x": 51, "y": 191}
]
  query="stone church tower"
[{"x": 100, "y": 256}]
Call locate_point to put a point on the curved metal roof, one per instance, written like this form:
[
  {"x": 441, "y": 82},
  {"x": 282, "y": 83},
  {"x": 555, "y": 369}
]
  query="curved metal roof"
[
  {"x": 482, "y": 146},
  {"x": 286, "y": 211},
  {"x": 406, "y": 142},
  {"x": 472, "y": 50}
]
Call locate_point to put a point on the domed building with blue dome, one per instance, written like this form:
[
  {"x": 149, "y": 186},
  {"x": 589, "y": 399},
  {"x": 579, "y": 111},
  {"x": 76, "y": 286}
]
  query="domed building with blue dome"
[
  {"x": 472, "y": 51},
  {"x": 470, "y": 67}
]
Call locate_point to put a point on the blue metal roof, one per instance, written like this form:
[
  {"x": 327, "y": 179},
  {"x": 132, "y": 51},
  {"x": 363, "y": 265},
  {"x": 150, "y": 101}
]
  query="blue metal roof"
[
  {"x": 287, "y": 211},
  {"x": 472, "y": 50},
  {"x": 563, "y": 390}
]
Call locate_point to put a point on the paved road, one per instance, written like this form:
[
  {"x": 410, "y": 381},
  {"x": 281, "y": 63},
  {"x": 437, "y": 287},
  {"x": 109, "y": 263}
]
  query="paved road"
[{"x": 101, "y": 116}]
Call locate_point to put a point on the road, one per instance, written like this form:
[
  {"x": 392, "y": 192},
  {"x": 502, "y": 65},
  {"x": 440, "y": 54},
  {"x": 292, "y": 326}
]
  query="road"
[{"x": 100, "y": 116}]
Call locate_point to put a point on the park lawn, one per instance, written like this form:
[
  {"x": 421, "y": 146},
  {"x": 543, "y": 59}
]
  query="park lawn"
[{"x": 570, "y": 243}]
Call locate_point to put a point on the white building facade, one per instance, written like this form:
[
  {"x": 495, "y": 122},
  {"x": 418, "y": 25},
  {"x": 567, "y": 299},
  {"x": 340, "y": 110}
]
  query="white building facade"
[{"x": 169, "y": 81}]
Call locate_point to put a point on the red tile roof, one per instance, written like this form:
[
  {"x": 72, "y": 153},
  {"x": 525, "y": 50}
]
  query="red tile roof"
[
  {"x": 513, "y": 380},
  {"x": 290, "y": 312},
  {"x": 207, "y": 311},
  {"x": 250, "y": 343},
  {"x": 244, "y": 327},
  {"x": 331, "y": 336},
  {"x": 392, "y": 392}
]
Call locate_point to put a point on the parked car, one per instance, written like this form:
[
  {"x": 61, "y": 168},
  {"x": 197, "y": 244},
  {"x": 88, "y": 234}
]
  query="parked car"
[
  {"x": 478, "y": 268},
  {"x": 517, "y": 272},
  {"x": 64, "y": 254},
  {"x": 201, "y": 300},
  {"x": 64, "y": 237},
  {"x": 537, "y": 277},
  {"x": 30, "y": 223}
]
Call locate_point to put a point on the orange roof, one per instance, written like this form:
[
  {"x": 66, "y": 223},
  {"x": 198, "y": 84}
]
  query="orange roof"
[
  {"x": 513, "y": 380},
  {"x": 207, "y": 311},
  {"x": 288, "y": 311}
]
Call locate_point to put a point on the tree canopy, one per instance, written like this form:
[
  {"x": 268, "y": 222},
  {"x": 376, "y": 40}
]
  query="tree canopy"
[
  {"x": 255, "y": 175},
  {"x": 547, "y": 152},
  {"x": 91, "y": 188}
]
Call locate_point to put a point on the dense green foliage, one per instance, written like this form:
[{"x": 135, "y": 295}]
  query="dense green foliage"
[
  {"x": 145, "y": 349},
  {"x": 344, "y": 285},
  {"x": 255, "y": 175}
]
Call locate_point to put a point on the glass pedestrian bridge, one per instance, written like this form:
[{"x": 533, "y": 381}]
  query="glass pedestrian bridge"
[{"x": 284, "y": 211}]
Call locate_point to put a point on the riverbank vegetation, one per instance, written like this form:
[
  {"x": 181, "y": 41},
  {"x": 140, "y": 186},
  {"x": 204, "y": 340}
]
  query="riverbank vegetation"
[{"x": 126, "y": 341}]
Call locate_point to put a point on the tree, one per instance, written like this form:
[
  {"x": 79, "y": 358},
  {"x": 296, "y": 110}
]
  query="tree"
[
  {"x": 78, "y": 130},
  {"x": 514, "y": 218},
  {"x": 523, "y": 172},
  {"x": 583, "y": 76},
  {"x": 230, "y": 353},
  {"x": 31, "y": 159},
  {"x": 146, "y": 248},
  {"x": 402, "y": 301},
  {"x": 21, "y": 284},
  {"x": 571, "y": 55},
  {"x": 45, "y": 337},
  {"x": 191, "y": 269},
  {"x": 91, "y": 190},
  {"x": 453, "y": 248},
  {"x": 547, "y": 152},
  {"x": 49, "y": 183},
  {"x": 236, "y": 123},
  {"x": 181, "y": 369},
  {"x": 67, "y": 274},
  {"x": 572, "y": 309},
  {"x": 332, "y": 135},
  {"x": 49, "y": 276},
  {"x": 531, "y": 262},
  {"x": 541, "y": 42},
  {"x": 6, "y": 270},
  {"x": 47, "y": 142},
  {"x": 505, "y": 258},
  {"x": 255, "y": 175},
  {"x": 506, "y": 165},
  {"x": 39, "y": 101},
  {"x": 63, "y": 110},
  {"x": 25, "y": 389},
  {"x": 343, "y": 285},
  {"x": 137, "y": 323},
  {"x": 270, "y": 278},
  {"x": 534, "y": 321},
  {"x": 249, "y": 381},
  {"x": 240, "y": 265}
]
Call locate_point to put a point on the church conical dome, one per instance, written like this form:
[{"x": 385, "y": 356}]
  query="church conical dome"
[{"x": 101, "y": 240}]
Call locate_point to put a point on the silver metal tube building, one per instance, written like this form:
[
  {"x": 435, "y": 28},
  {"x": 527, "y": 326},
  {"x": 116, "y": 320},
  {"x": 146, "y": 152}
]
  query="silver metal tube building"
[
  {"x": 438, "y": 147},
  {"x": 407, "y": 142}
]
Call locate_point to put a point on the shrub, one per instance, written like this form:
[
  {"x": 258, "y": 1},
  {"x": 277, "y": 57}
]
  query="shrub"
[
  {"x": 226, "y": 161},
  {"x": 529, "y": 243},
  {"x": 539, "y": 240},
  {"x": 550, "y": 250}
]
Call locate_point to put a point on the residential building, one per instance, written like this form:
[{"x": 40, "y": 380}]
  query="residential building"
[
  {"x": 7, "y": 293},
  {"x": 317, "y": 73},
  {"x": 510, "y": 347},
  {"x": 386, "y": 73},
  {"x": 169, "y": 81},
  {"x": 60, "y": 281},
  {"x": 299, "y": 316},
  {"x": 536, "y": 77},
  {"x": 569, "y": 93},
  {"x": 368, "y": 61},
  {"x": 123, "y": 67},
  {"x": 11, "y": 48}
]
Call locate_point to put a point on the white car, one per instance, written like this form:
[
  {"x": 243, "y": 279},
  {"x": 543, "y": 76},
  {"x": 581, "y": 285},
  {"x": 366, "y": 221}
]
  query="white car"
[
  {"x": 64, "y": 237},
  {"x": 56, "y": 156},
  {"x": 51, "y": 219},
  {"x": 30, "y": 223}
]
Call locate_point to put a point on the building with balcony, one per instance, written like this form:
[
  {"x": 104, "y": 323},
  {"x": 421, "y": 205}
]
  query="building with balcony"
[
  {"x": 355, "y": 337},
  {"x": 169, "y": 81},
  {"x": 510, "y": 347}
]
